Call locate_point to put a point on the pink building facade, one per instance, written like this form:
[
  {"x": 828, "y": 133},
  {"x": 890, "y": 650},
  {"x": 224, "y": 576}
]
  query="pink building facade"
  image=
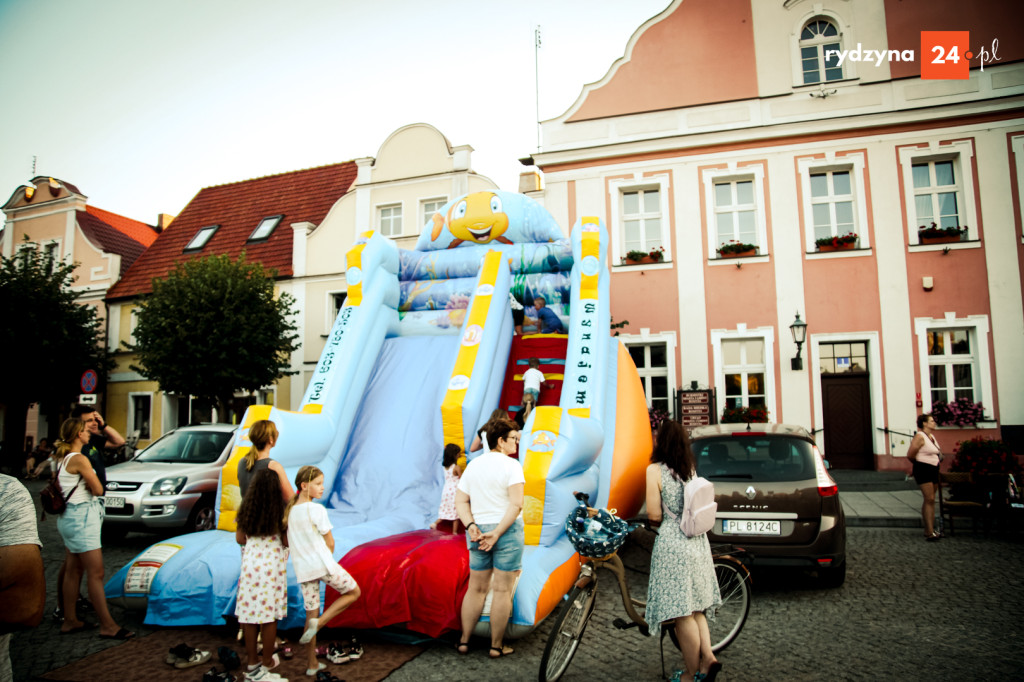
[{"x": 738, "y": 123}]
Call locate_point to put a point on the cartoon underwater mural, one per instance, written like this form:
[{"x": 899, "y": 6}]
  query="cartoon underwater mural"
[{"x": 421, "y": 353}]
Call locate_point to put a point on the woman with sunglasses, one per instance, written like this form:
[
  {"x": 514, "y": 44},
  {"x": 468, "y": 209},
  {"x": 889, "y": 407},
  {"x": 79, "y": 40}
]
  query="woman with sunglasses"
[{"x": 489, "y": 502}]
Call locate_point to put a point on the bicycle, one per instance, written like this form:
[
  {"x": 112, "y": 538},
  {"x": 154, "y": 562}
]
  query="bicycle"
[{"x": 574, "y": 614}]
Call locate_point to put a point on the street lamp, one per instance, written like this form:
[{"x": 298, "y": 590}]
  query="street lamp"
[{"x": 799, "y": 331}]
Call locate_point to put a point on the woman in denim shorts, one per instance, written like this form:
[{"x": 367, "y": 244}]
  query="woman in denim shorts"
[
  {"x": 490, "y": 504},
  {"x": 79, "y": 526}
]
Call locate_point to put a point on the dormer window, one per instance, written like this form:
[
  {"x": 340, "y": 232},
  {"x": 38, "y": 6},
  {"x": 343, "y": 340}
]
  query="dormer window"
[
  {"x": 201, "y": 238},
  {"x": 820, "y": 43},
  {"x": 265, "y": 227}
]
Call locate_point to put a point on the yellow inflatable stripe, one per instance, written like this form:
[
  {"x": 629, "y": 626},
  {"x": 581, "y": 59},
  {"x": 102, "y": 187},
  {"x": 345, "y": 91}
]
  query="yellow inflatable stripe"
[
  {"x": 580, "y": 412},
  {"x": 590, "y": 245},
  {"x": 230, "y": 496},
  {"x": 535, "y": 471},
  {"x": 547, "y": 377},
  {"x": 255, "y": 413},
  {"x": 451, "y": 406},
  {"x": 545, "y": 336},
  {"x": 354, "y": 259},
  {"x": 312, "y": 408}
]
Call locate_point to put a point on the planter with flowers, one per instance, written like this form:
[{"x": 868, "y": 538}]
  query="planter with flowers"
[
  {"x": 755, "y": 414},
  {"x": 996, "y": 471},
  {"x": 636, "y": 257},
  {"x": 735, "y": 249},
  {"x": 843, "y": 242},
  {"x": 959, "y": 412},
  {"x": 933, "y": 234}
]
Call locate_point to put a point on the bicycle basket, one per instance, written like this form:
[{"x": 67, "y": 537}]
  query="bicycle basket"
[{"x": 595, "y": 536}]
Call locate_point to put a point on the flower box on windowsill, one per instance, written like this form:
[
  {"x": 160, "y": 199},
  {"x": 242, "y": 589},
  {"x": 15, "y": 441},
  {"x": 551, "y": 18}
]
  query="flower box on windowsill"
[
  {"x": 738, "y": 254},
  {"x": 944, "y": 239},
  {"x": 847, "y": 246},
  {"x": 643, "y": 261}
]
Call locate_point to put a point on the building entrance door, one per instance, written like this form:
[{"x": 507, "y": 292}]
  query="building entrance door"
[{"x": 846, "y": 405}]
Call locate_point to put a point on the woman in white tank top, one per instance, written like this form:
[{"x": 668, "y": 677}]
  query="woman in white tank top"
[
  {"x": 925, "y": 455},
  {"x": 79, "y": 526}
]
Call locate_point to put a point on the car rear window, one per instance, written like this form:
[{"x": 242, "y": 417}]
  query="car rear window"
[
  {"x": 754, "y": 458},
  {"x": 192, "y": 447}
]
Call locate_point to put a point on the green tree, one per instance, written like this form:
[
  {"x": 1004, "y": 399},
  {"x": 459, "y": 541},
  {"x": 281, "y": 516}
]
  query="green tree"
[
  {"x": 47, "y": 341},
  {"x": 214, "y": 327}
]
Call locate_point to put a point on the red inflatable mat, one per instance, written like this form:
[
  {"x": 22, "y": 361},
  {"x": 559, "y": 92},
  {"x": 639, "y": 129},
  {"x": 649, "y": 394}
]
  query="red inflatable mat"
[
  {"x": 415, "y": 579},
  {"x": 550, "y": 349}
]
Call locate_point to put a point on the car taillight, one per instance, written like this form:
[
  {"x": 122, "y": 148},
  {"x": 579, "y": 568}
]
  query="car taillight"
[{"x": 826, "y": 486}]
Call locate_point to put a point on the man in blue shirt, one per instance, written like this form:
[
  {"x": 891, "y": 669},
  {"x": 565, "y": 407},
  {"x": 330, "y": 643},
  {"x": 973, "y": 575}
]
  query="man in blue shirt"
[{"x": 547, "y": 321}]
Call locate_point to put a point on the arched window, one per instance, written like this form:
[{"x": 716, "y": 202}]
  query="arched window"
[{"x": 820, "y": 43}]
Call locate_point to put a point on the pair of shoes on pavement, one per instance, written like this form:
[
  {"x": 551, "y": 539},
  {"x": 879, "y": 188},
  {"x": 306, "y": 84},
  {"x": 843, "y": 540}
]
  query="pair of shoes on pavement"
[
  {"x": 261, "y": 674},
  {"x": 343, "y": 652},
  {"x": 184, "y": 656},
  {"x": 214, "y": 675},
  {"x": 82, "y": 606}
]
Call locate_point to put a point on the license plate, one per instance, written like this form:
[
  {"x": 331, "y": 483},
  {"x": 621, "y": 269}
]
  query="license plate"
[
  {"x": 751, "y": 527},
  {"x": 113, "y": 502}
]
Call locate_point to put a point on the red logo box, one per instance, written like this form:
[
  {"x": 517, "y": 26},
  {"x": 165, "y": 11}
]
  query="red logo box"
[{"x": 945, "y": 55}]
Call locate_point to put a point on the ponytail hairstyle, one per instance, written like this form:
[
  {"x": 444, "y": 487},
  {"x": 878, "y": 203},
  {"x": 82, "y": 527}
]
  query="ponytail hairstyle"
[
  {"x": 69, "y": 431},
  {"x": 451, "y": 455},
  {"x": 261, "y": 433},
  {"x": 307, "y": 474},
  {"x": 262, "y": 510}
]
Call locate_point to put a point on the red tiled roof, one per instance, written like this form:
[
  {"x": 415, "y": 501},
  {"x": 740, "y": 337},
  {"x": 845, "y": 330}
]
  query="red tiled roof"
[
  {"x": 140, "y": 232},
  {"x": 110, "y": 232},
  {"x": 300, "y": 196}
]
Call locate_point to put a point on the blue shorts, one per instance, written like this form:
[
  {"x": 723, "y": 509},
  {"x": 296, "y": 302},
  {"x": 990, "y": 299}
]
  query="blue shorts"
[
  {"x": 80, "y": 525},
  {"x": 534, "y": 393},
  {"x": 507, "y": 553}
]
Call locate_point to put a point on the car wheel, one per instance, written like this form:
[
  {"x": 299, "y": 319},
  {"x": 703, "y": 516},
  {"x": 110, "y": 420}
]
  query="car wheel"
[
  {"x": 202, "y": 516},
  {"x": 833, "y": 577}
]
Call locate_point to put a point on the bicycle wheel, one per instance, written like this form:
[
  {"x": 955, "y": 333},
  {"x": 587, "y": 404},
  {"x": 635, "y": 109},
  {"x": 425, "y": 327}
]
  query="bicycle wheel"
[
  {"x": 734, "y": 584},
  {"x": 568, "y": 630}
]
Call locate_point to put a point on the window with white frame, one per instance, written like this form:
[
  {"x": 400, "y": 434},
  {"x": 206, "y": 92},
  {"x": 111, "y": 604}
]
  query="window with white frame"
[
  {"x": 640, "y": 216},
  {"x": 820, "y": 44},
  {"x": 831, "y": 203},
  {"x": 937, "y": 193},
  {"x": 952, "y": 369},
  {"x": 744, "y": 370},
  {"x": 938, "y": 188},
  {"x": 651, "y": 360},
  {"x": 641, "y": 220},
  {"x": 389, "y": 220},
  {"x": 139, "y": 417},
  {"x": 429, "y": 207},
  {"x": 337, "y": 303},
  {"x": 735, "y": 212},
  {"x": 954, "y": 359}
]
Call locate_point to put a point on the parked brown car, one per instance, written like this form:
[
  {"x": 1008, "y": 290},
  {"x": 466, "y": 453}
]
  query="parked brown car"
[{"x": 775, "y": 496}]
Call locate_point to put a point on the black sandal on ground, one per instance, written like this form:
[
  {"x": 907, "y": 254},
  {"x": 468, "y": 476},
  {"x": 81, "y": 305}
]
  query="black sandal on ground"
[
  {"x": 502, "y": 650},
  {"x": 462, "y": 648}
]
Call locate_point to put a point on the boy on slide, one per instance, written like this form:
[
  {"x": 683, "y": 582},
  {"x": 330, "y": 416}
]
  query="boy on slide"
[{"x": 533, "y": 378}]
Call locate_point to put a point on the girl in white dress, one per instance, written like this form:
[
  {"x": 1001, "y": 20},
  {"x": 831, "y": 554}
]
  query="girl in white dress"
[
  {"x": 312, "y": 550},
  {"x": 263, "y": 583}
]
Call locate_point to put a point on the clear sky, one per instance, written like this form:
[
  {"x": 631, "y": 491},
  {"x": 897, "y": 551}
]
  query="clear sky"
[{"x": 141, "y": 103}]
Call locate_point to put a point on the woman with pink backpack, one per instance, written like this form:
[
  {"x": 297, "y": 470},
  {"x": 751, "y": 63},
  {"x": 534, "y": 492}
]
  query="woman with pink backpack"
[{"x": 683, "y": 585}]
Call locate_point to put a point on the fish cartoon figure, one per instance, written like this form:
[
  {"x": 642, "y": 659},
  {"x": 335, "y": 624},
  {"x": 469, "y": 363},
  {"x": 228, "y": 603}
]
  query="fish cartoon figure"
[{"x": 476, "y": 218}]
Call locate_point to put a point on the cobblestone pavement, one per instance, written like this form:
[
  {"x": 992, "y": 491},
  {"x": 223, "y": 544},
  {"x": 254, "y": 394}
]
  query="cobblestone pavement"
[{"x": 909, "y": 609}]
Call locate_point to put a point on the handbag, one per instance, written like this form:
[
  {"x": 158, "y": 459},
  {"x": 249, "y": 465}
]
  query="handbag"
[{"x": 52, "y": 498}]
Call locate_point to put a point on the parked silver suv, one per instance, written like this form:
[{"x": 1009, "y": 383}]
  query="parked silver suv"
[{"x": 170, "y": 484}]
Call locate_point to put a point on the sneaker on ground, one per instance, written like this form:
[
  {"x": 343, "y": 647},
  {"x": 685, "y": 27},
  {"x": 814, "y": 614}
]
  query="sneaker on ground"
[
  {"x": 337, "y": 654},
  {"x": 195, "y": 657},
  {"x": 177, "y": 653},
  {"x": 214, "y": 675},
  {"x": 354, "y": 649},
  {"x": 83, "y": 605},
  {"x": 261, "y": 674},
  {"x": 58, "y": 615}
]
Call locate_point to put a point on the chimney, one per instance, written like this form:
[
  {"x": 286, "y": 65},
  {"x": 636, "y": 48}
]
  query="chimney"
[
  {"x": 162, "y": 221},
  {"x": 529, "y": 181}
]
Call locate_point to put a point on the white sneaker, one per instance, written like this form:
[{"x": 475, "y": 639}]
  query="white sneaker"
[{"x": 261, "y": 674}]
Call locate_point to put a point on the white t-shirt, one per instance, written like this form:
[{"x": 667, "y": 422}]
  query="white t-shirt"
[
  {"x": 532, "y": 378},
  {"x": 486, "y": 480},
  {"x": 307, "y": 523}
]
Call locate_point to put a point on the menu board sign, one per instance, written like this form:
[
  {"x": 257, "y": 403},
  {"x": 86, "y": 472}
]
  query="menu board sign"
[{"x": 696, "y": 408}]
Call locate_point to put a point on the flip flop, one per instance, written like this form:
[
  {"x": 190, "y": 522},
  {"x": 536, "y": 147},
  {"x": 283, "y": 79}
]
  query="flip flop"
[{"x": 121, "y": 634}]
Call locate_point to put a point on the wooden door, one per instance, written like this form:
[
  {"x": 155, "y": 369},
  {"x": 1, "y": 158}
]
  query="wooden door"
[{"x": 846, "y": 407}]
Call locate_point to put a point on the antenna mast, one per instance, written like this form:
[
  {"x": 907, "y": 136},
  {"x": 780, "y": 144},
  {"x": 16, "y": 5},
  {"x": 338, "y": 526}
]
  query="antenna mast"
[{"x": 536, "y": 78}]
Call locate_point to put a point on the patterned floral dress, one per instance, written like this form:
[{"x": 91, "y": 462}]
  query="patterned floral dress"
[
  {"x": 263, "y": 583},
  {"x": 447, "y": 512},
  {"x": 682, "y": 571}
]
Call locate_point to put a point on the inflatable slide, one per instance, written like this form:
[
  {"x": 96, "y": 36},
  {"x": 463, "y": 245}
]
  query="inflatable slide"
[{"x": 421, "y": 353}]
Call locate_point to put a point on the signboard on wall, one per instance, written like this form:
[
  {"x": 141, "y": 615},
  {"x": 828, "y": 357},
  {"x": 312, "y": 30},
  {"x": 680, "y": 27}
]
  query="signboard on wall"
[{"x": 697, "y": 408}]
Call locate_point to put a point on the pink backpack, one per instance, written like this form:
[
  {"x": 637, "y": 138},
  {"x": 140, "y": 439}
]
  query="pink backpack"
[{"x": 699, "y": 507}]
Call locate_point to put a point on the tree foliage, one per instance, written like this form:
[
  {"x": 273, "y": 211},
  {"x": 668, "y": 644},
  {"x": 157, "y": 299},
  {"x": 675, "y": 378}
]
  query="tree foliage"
[
  {"x": 48, "y": 338},
  {"x": 214, "y": 327}
]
